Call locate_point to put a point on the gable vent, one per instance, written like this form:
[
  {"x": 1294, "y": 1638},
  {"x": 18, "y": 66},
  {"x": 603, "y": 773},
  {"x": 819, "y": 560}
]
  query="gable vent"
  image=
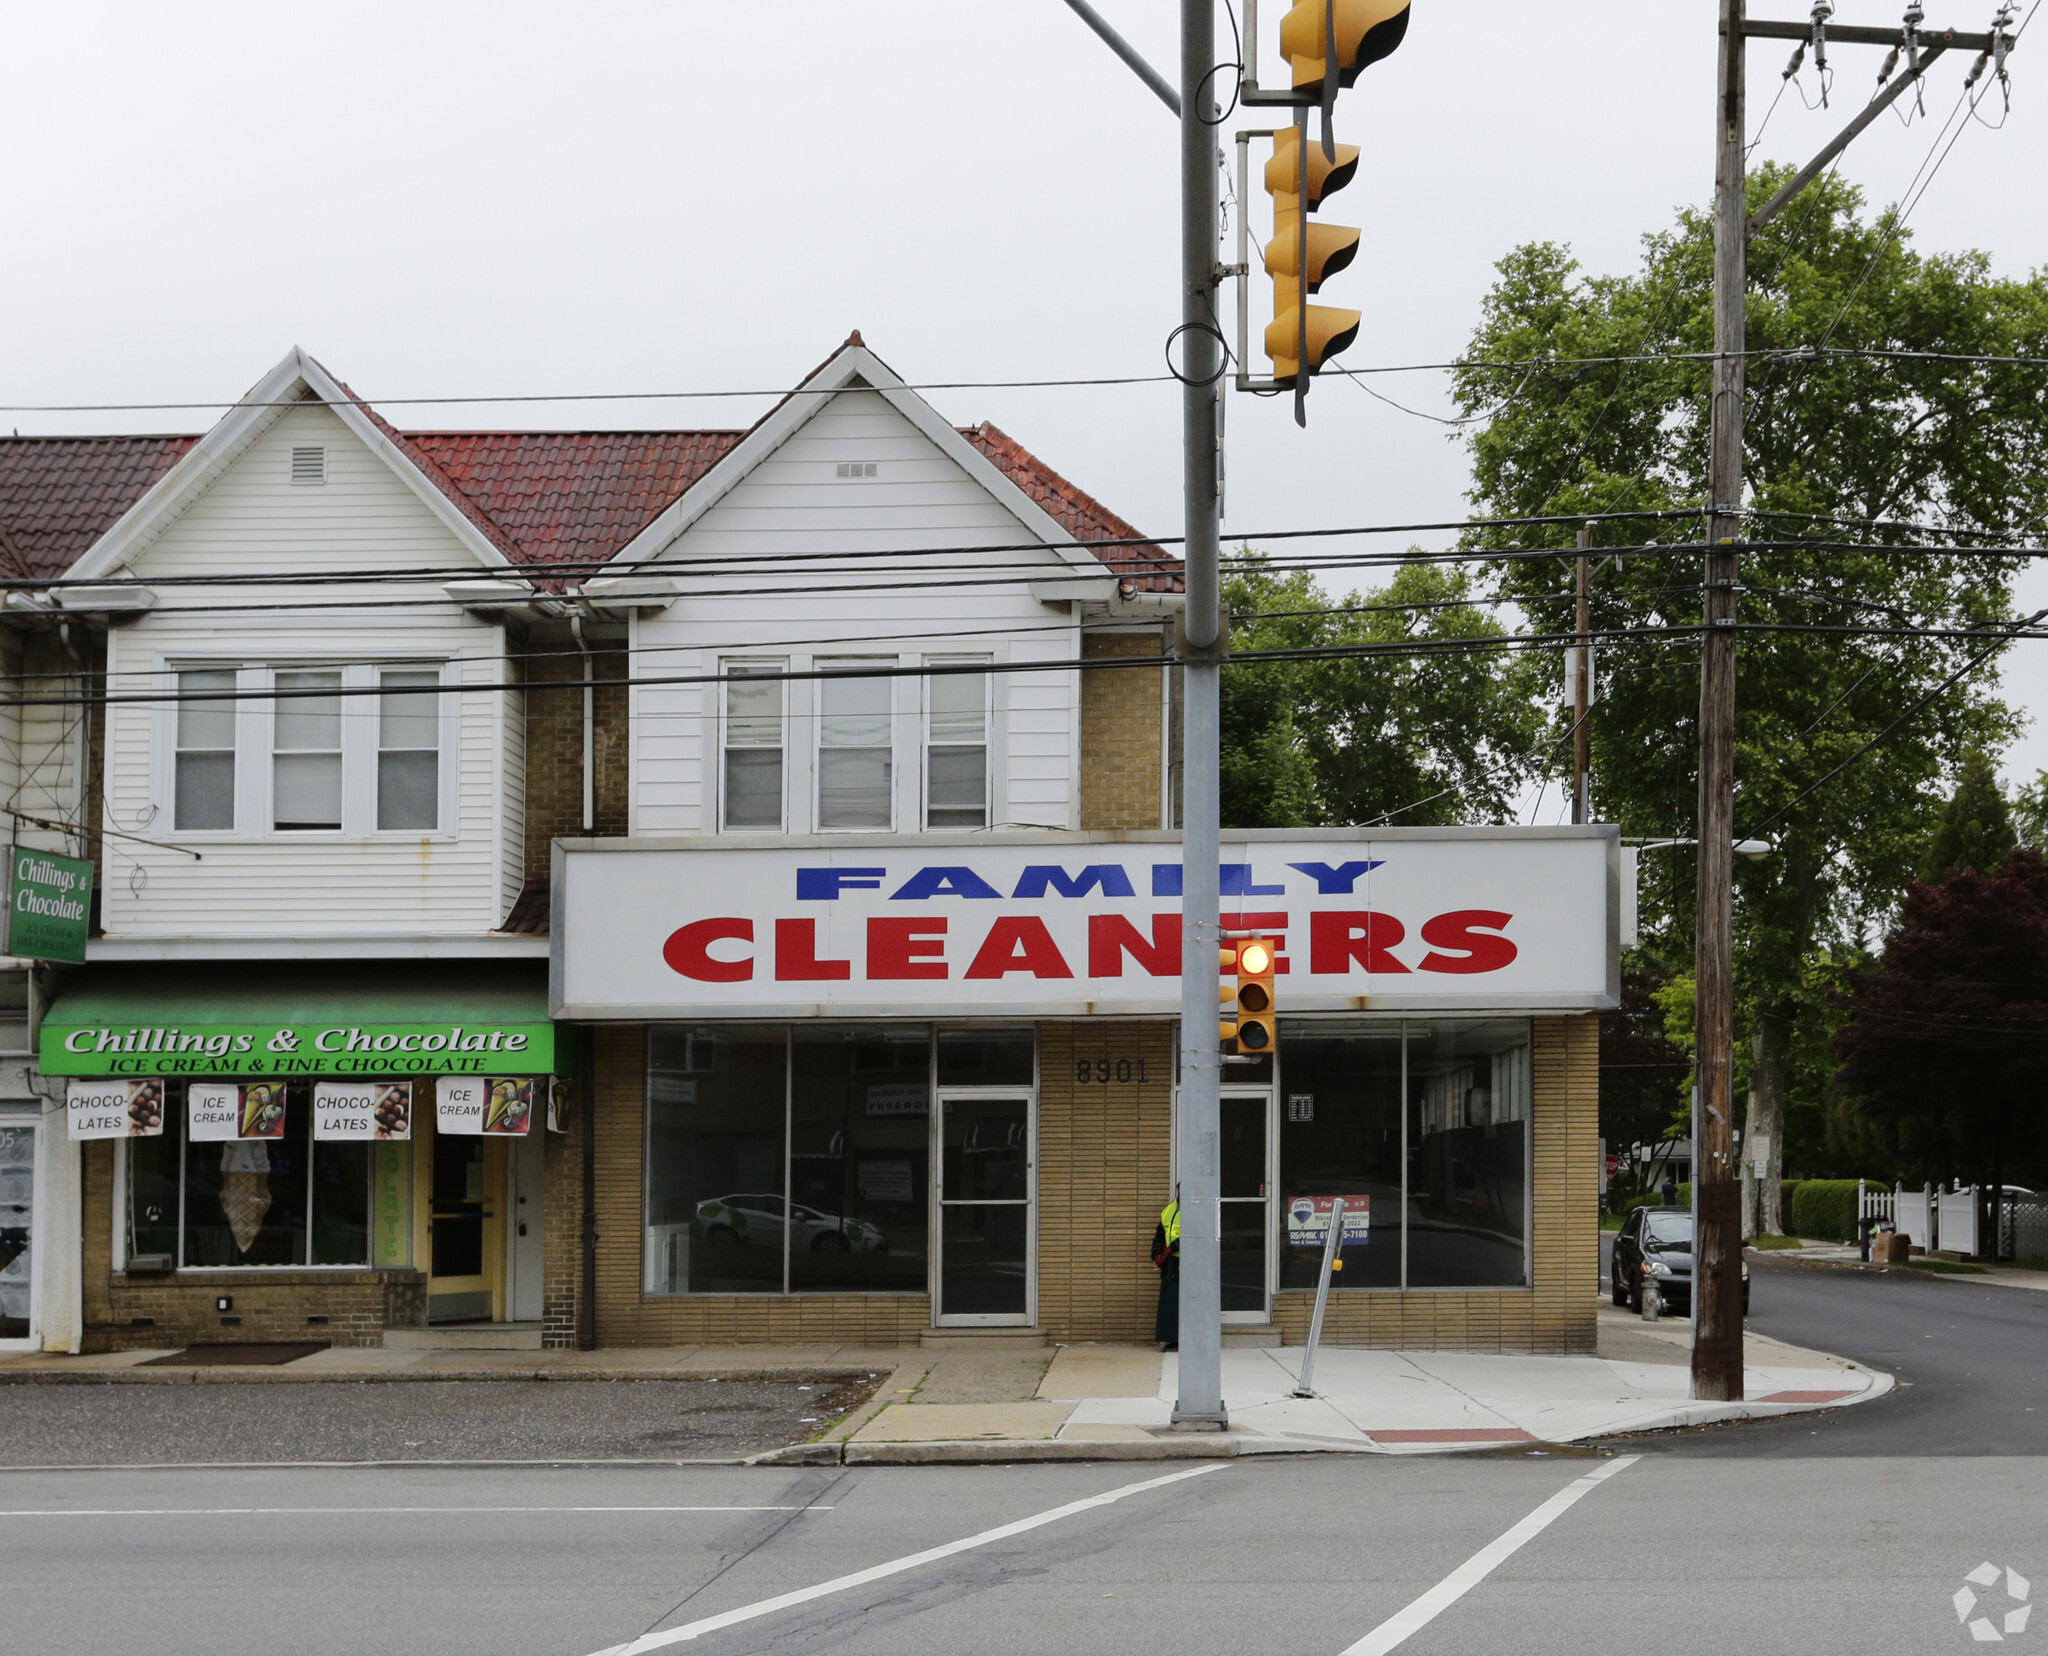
[
  {"x": 309, "y": 465},
  {"x": 859, "y": 468}
]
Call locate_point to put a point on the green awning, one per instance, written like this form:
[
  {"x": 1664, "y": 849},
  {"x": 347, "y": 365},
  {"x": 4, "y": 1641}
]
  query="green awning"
[{"x": 302, "y": 1018}]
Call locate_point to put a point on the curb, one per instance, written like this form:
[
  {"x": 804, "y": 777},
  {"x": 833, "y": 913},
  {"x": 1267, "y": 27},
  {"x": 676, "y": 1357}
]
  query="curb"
[
  {"x": 996, "y": 1453},
  {"x": 235, "y": 1375}
]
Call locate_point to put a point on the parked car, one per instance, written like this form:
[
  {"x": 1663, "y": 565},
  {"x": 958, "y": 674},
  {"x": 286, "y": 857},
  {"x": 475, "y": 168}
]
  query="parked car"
[
  {"x": 757, "y": 1220},
  {"x": 1655, "y": 1245}
]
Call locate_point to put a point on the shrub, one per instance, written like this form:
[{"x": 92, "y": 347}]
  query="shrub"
[{"x": 1824, "y": 1208}]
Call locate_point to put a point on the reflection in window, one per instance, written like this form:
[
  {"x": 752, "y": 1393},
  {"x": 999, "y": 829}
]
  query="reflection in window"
[
  {"x": 753, "y": 744},
  {"x": 859, "y": 1159},
  {"x": 305, "y": 777},
  {"x": 409, "y": 749},
  {"x": 1340, "y": 1135},
  {"x": 1468, "y": 1161},
  {"x": 956, "y": 754},
  {"x": 203, "y": 790},
  {"x": 715, "y": 1114}
]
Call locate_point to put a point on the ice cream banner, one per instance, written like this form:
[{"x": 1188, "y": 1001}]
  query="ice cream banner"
[
  {"x": 478, "y": 1104},
  {"x": 1308, "y": 1220},
  {"x": 361, "y": 1111},
  {"x": 213, "y": 1111},
  {"x": 115, "y": 1109},
  {"x": 262, "y": 1113}
]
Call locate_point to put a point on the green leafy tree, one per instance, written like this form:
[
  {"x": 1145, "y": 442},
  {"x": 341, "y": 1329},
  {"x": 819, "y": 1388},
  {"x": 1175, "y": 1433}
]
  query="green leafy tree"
[
  {"x": 1840, "y": 452},
  {"x": 1351, "y": 738},
  {"x": 1974, "y": 830}
]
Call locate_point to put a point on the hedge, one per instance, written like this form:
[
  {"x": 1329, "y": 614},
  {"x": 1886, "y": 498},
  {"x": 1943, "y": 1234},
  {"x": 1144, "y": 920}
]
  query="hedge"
[{"x": 1824, "y": 1208}]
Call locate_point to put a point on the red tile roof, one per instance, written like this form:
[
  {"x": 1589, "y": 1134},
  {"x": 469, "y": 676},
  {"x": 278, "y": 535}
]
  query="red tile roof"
[
  {"x": 60, "y": 494},
  {"x": 540, "y": 497}
]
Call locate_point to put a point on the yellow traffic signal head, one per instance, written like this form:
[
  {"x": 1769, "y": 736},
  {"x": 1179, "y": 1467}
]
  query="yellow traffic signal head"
[
  {"x": 1329, "y": 331},
  {"x": 1325, "y": 176},
  {"x": 1366, "y": 31},
  {"x": 1256, "y": 1031}
]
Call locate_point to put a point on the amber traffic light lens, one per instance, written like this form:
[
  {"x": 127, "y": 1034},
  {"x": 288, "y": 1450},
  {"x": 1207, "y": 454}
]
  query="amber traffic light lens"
[
  {"x": 1253, "y": 998},
  {"x": 1251, "y": 1037},
  {"x": 1255, "y": 958}
]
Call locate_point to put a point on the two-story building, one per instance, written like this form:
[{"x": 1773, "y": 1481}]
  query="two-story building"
[{"x": 656, "y": 887}]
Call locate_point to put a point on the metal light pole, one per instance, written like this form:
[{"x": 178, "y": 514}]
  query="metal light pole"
[{"x": 1201, "y": 1266}]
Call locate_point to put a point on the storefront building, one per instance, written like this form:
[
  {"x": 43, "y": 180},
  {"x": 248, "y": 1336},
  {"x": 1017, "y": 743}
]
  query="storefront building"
[
  {"x": 307, "y": 1154},
  {"x": 898, "y": 1088}
]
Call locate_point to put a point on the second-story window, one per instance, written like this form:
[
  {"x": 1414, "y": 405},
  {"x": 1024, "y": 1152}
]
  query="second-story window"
[
  {"x": 753, "y": 745},
  {"x": 409, "y": 749},
  {"x": 305, "y": 775},
  {"x": 203, "y": 792},
  {"x": 854, "y": 747},
  {"x": 956, "y": 747}
]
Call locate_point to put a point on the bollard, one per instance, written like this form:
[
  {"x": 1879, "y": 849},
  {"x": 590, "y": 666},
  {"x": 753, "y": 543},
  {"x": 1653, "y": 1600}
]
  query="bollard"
[{"x": 1331, "y": 1244}]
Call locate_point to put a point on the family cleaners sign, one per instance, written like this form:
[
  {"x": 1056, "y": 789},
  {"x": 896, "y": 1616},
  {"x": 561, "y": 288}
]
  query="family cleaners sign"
[{"x": 1051, "y": 925}]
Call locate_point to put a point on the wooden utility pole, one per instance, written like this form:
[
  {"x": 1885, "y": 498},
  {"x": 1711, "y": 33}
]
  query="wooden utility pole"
[
  {"x": 1582, "y": 696},
  {"x": 1717, "y": 1190}
]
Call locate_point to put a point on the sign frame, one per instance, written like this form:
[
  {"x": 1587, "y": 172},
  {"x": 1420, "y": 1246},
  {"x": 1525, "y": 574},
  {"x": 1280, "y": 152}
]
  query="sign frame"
[{"x": 43, "y": 879}]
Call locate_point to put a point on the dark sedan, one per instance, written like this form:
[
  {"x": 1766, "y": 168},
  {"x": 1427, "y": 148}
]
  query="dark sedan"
[{"x": 1655, "y": 1245}]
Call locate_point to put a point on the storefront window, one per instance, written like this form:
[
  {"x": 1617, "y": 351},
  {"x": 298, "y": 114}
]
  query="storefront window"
[
  {"x": 859, "y": 1159},
  {"x": 716, "y": 1113},
  {"x": 1427, "y": 1122},
  {"x": 215, "y": 1206},
  {"x": 785, "y": 1160},
  {"x": 1468, "y": 1154}
]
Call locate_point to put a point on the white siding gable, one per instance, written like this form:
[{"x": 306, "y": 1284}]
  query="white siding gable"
[
  {"x": 866, "y": 530},
  {"x": 252, "y": 520}
]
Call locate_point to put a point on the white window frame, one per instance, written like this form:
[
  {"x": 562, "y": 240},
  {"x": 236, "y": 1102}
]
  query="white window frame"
[
  {"x": 817, "y": 749},
  {"x": 255, "y": 734},
  {"x": 717, "y": 790},
  {"x": 988, "y": 746}
]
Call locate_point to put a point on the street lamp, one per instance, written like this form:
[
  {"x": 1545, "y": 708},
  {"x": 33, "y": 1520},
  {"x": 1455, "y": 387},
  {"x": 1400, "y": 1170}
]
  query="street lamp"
[{"x": 1754, "y": 849}]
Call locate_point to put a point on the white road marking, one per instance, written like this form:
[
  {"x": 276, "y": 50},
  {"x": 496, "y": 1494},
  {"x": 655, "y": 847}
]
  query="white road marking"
[
  {"x": 328, "y": 1512},
  {"x": 1397, "y": 1628},
  {"x": 896, "y": 1566}
]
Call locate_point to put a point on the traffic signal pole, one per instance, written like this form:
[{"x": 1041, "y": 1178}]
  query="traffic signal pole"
[
  {"x": 1717, "y": 1191},
  {"x": 1200, "y": 1400}
]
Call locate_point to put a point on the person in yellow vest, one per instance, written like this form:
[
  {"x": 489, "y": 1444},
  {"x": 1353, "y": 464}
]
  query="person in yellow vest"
[{"x": 1166, "y": 1259}]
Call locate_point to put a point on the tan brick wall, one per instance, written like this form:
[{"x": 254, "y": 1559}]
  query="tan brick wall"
[
  {"x": 1557, "y": 1312},
  {"x": 1121, "y": 729},
  {"x": 124, "y": 1313},
  {"x": 562, "y": 1227},
  {"x": 554, "y": 744},
  {"x": 1104, "y": 1159}
]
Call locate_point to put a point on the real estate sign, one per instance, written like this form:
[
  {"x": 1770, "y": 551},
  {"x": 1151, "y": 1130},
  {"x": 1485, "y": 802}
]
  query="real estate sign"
[
  {"x": 49, "y": 905},
  {"x": 1077, "y": 925}
]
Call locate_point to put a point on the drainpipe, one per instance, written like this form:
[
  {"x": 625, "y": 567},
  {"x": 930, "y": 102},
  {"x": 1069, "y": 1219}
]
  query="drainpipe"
[{"x": 589, "y": 729}]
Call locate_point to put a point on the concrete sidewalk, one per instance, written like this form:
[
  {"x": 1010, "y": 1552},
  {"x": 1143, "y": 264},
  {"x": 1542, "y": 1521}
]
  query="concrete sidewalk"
[
  {"x": 1811, "y": 1252},
  {"x": 1115, "y": 1402}
]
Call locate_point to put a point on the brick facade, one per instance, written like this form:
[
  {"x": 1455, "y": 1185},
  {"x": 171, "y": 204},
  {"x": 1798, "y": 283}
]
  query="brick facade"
[
  {"x": 1122, "y": 728},
  {"x": 554, "y": 742}
]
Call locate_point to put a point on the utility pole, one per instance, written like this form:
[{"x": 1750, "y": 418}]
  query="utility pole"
[
  {"x": 1200, "y": 1401},
  {"x": 1717, "y": 1193},
  {"x": 1582, "y": 692}
]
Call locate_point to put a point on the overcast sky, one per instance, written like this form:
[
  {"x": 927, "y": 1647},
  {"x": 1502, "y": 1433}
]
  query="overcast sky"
[{"x": 444, "y": 199}]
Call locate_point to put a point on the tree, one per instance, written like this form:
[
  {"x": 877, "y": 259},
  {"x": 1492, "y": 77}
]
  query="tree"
[
  {"x": 1974, "y": 830},
  {"x": 1945, "y": 1053},
  {"x": 1843, "y": 454},
  {"x": 1354, "y": 738}
]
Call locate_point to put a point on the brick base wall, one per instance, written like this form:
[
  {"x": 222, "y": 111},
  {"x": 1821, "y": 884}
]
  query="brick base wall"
[{"x": 1122, "y": 726}]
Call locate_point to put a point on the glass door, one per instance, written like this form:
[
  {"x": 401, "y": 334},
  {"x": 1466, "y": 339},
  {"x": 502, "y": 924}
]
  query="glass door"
[
  {"x": 1246, "y": 1219},
  {"x": 17, "y": 1232},
  {"x": 465, "y": 1187},
  {"x": 985, "y": 1228}
]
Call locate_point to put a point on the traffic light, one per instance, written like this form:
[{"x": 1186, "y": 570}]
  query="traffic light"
[
  {"x": 1365, "y": 30},
  {"x": 1301, "y": 254},
  {"x": 1257, "y": 1034}
]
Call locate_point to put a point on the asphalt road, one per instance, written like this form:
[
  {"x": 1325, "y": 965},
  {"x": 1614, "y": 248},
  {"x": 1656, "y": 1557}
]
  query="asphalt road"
[{"x": 1847, "y": 1532}]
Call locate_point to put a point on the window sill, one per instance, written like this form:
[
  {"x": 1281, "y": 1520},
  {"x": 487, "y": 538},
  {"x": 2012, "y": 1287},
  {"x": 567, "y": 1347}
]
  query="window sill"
[{"x": 201, "y": 1276}]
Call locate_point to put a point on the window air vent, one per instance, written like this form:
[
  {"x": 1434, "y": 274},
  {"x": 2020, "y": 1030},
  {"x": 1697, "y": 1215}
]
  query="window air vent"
[
  {"x": 859, "y": 468},
  {"x": 309, "y": 465}
]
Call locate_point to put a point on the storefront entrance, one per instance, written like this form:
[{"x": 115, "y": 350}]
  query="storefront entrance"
[
  {"x": 1246, "y": 1219},
  {"x": 463, "y": 1199},
  {"x": 17, "y": 1232},
  {"x": 986, "y": 1227}
]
